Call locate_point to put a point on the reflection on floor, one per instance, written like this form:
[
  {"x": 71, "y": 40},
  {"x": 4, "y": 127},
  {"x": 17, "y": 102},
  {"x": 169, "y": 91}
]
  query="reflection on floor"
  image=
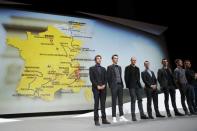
[{"x": 73, "y": 123}]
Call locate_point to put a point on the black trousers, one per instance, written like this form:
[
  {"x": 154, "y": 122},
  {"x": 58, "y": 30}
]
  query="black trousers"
[
  {"x": 117, "y": 92},
  {"x": 170, "y": 91},
  {"x": 152, "y": 95},
  {"x": 195, "y": 90},
  {"x": 99, "y": 95},
  {"x": 136, "y": 93},
  {"x": 192, "y": 97},
  {"x": 185, "y": 91}
]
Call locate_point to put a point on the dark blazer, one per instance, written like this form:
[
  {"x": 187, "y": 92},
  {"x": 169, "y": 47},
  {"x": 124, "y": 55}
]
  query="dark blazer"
[
  {"x": 147, "y": 79},
  {"x": 162, "y": 77},
  {"x": 94, "y": 76},
  {"x": 190, "y": 76},
  {"x": 132, "y": 77},
  {"x": 111, "y": 75}
]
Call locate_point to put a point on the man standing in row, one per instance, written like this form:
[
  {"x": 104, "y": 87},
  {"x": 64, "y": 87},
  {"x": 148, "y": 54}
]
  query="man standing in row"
[
  {"x": 98, "y": 78},
  {"x": 181, "y": 81},
  {"x": 114, "y": 75},
  {"x": 190, "y": 75},
  {"x": 167, "y": 84},
  {"x": 150, "y": 82},
  {"x": 132, "y": 80}
]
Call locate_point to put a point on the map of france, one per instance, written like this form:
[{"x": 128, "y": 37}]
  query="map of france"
[{"x": 49, "y": 63}]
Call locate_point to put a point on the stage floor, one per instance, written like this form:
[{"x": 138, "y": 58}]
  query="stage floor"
[{"x": 72, "y": 123}]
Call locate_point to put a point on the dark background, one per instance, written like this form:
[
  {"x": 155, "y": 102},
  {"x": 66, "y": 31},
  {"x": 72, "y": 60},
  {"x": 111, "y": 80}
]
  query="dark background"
[{"x": 178, "y": 16}]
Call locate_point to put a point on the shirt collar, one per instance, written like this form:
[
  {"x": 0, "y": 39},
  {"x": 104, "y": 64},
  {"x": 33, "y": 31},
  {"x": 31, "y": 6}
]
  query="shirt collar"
[
  {"x": 165, "y": 67},
  {"x": 116, "y": 65},
  {"x": 148, "y": 70},
  {"x": 133, "y": 65},
  {"x": 98, "y": 65}
]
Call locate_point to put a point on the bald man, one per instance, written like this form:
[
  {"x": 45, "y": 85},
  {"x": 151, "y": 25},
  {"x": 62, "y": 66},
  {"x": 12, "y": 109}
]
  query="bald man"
[{"x": 132, "y": 80}]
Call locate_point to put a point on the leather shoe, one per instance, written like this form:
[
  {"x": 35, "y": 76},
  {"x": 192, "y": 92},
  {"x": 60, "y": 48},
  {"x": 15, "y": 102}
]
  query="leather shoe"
[{"x": 97, "y": 123}]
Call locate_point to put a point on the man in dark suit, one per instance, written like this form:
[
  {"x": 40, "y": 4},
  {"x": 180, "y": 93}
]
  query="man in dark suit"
[
  {"x": 114, "y": 75},
  {"x": 98, "y": 78},
  {"x": 182, "y": 84},
  {"x": 190, "y": 76},
  {"x": 132, "y": 80},
  {"x": 168, "y": 86},
  {"x": 150, "y": 82}
]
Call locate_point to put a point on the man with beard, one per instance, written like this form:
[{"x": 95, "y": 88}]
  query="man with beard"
[
  {"x": 190, "y": 75},
  {"x": 98, "y": 78},
  {"x": 182, "y": 84},
  {"x": 168, "y": 86}
]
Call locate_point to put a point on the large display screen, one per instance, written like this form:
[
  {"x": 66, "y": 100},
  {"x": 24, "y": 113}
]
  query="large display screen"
[{"x": 44, "y": 59}]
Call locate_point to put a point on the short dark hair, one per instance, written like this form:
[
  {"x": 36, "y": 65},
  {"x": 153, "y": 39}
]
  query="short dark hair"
[
  {"x": 177, "y": 60},
  {"x": 164, "y": 59},
  {"x": 96, "y": 57},
  {"x": 186, "y": 61},
  {"x": 114, "y": 55},
  {"x": 146, "y": 61}
]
